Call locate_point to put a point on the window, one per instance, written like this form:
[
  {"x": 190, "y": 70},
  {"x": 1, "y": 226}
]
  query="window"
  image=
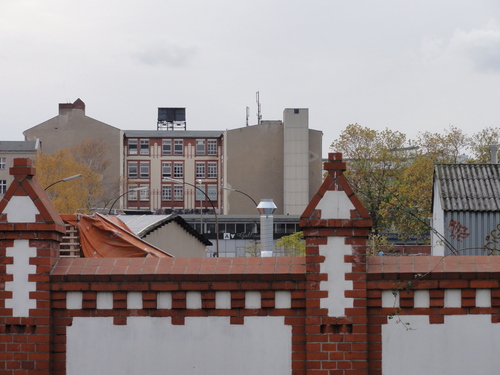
[
  {"x": 132, "y": 146},
  {"x": 178, "y": 147},
  {"x": 3, "y": 186},
  {"x": 3, "y": 163},
  {"x": 200, "y": 170},
  {"x": 132, "y": 194},
  {"x": 166, "y": 147},
  {"x": 144, "y": 169},
  {"x": 212, "y": 147},
  {"x": 166, "y": 193},
  {"x": 144, "y": 194},
  {"x": 212, "y": 170},
  {"x": 212, "y": 192},
  {"x": 178, "y": 170},
  {"x": 200, "y": 193},
  {"x": 178, "y": 193},
  {"x": 132, "y": 169},
  {"x": 200, "y": 147},
  {"x": 166, "y": 169},
  {"x": 144, "y": 146}
]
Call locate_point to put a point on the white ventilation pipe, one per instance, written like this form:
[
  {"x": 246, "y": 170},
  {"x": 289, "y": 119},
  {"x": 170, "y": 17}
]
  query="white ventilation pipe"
[
  {"x": 494, "y": 154},
  {"x": 266, "y": 208}
]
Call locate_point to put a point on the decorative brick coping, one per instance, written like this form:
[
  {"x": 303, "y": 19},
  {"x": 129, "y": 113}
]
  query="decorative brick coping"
[
  {"x": 176, "y": 269},
  {"x": 433, "y": 267}
]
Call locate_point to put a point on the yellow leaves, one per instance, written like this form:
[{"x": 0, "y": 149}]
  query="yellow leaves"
[{"x": 72, "y": 196}]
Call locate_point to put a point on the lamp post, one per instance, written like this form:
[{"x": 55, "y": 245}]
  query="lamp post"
[
  {"x": 64, "y": 180},
  {"x": 241, "y": 192},
  {"x": 128, "y": 191},
  {"x": 212, "y": 204}
]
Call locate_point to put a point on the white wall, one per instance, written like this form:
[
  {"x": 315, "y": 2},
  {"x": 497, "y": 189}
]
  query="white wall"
[
  {"x": 204, "y": 345},
  {"x": 463, "y": 345}
]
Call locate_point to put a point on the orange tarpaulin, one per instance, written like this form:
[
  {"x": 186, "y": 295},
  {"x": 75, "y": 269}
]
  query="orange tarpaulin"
[{"x": 103, "y": 237}]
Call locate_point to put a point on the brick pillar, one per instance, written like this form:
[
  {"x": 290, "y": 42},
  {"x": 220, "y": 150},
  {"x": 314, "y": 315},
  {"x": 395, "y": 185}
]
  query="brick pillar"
[
  {"x": 336, "y": 227},
  {"x": 30, "y": 234}
]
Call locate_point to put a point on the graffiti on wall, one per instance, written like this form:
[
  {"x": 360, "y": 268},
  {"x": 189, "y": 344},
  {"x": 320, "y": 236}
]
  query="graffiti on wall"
[
  {"x": 458, "y": 231},
  {"x": 492, "y": 241}
]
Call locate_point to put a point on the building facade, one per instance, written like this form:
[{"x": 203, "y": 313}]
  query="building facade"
[{"x": 14, "y": 149}]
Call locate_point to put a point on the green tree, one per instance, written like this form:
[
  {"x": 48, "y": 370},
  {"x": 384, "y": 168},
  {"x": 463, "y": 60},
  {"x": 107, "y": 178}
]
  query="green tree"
[
  {"x": 292, "y": 245},
  {"x": 72, "y": 196}
]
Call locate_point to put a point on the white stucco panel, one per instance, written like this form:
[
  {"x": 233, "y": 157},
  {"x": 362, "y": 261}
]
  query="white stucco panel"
[
  {"x": 336, "y": 268},
  {"x": 203, "y": 346},
  {"x": 335, "y": 205},
  {"x": 462, "y": 345},
  {"x": 21, "y": 210},
  {"x": 20, "y": 286}
]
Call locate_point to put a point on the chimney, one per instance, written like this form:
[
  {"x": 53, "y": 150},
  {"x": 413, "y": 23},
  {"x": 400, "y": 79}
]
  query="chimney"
[
  {"x": 494, "y": 154},
  {"x": 65, "y": 108}
]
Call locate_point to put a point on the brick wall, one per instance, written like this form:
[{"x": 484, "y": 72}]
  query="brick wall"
[{"x": 330, "y": 312}]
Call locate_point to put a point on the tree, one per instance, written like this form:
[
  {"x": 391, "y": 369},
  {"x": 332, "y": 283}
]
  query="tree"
[
  {"x": 480, "y": 143},
  {"x": 444, "y": 148},
  {"x": 292, "y": 245},
  {"x": 93, "y": 154},
  {"x": 376, "y": 161},
  {"x": 72, "y": 196}
]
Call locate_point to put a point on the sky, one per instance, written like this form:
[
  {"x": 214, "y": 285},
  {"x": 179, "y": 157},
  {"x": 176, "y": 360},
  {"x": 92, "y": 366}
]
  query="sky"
[{"x": 412, "y": 66}]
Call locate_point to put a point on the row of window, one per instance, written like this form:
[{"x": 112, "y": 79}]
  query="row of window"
[
  {"x": 172, "y": 147},
  {"x": 174, "y": 191},
  {"x": 3, "y": 163},
  {"x": 3, "y": 186},
  {"x": 171, "y": 169}
]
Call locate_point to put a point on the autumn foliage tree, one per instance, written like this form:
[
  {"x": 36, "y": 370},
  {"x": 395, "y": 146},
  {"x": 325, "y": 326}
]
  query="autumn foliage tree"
[
  {"x": 393, "y": 175},
  {"x": 73, "y": 196}
]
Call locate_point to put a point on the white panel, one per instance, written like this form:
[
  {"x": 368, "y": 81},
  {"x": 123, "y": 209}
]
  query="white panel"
[
  {"x": 421, "y": 298},
  {"x": 483, "y": 298},
  {"x": 463, "y": 345},
  {"x": 390, "y": 298},
  {"x": 20, "y": 286},
  {"x": 193, "y": 300},
  {"x": 164, "y": 300},
  {"x": 335, "y": 205},
  {"x": 134, "y": 300},
  {"x": 252, "y": 300},
  {"x": 222, "y": 300},
  {"x": 336, "y": 268},
  {"x": 104, "y": 300},
  {"x": 452, "y": 298},
  {"x": 282, "y": 299},
  {"x": 74, "y": 300},
  {"x": 203, "y": 346},
  {"x": 21, "y": 210}
]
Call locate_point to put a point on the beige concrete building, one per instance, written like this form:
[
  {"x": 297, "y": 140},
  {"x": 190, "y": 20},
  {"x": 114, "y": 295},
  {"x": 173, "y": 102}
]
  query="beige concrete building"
[
  {"x": 280, "y": 160},
  {"x": 10, "y": 150},
  {"x": 70, "y": 128}
]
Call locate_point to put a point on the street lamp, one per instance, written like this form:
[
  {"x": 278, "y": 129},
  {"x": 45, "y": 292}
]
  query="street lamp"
[
  {"x": 64, "y": 180},
  {"x": 239, "y": 191},
  {"x": 213, "y": 207},
  {"x": 128, "y": 191}
]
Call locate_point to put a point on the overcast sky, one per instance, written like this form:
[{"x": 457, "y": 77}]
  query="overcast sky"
[{"x": 403, "y": 64}]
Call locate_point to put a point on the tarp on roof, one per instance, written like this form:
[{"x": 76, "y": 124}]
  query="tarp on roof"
[{"x": 102, "y": 237}]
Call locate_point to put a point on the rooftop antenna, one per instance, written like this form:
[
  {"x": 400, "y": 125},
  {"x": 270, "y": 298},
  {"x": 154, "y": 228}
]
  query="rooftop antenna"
[
  {"x": 248, "y": 114},
  {"x": 259, "y": 114}
]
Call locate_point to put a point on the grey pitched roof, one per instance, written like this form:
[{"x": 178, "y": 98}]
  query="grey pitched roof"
[
  {"x": 142, "y": 225},
  {"x": 468, "y": 187},
  {"x": 18, "y": 146}
]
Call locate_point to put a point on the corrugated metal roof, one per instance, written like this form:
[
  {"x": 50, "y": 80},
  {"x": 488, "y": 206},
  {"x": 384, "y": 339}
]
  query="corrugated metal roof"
[
  {"x": 18, "y": 146},
  {"x": 173, "y": 133},
  {"x": 468, "y": 187}
]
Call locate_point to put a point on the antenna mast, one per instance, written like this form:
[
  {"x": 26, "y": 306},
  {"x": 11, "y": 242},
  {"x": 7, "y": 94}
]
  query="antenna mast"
[{"x": 259, "y": 114}]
